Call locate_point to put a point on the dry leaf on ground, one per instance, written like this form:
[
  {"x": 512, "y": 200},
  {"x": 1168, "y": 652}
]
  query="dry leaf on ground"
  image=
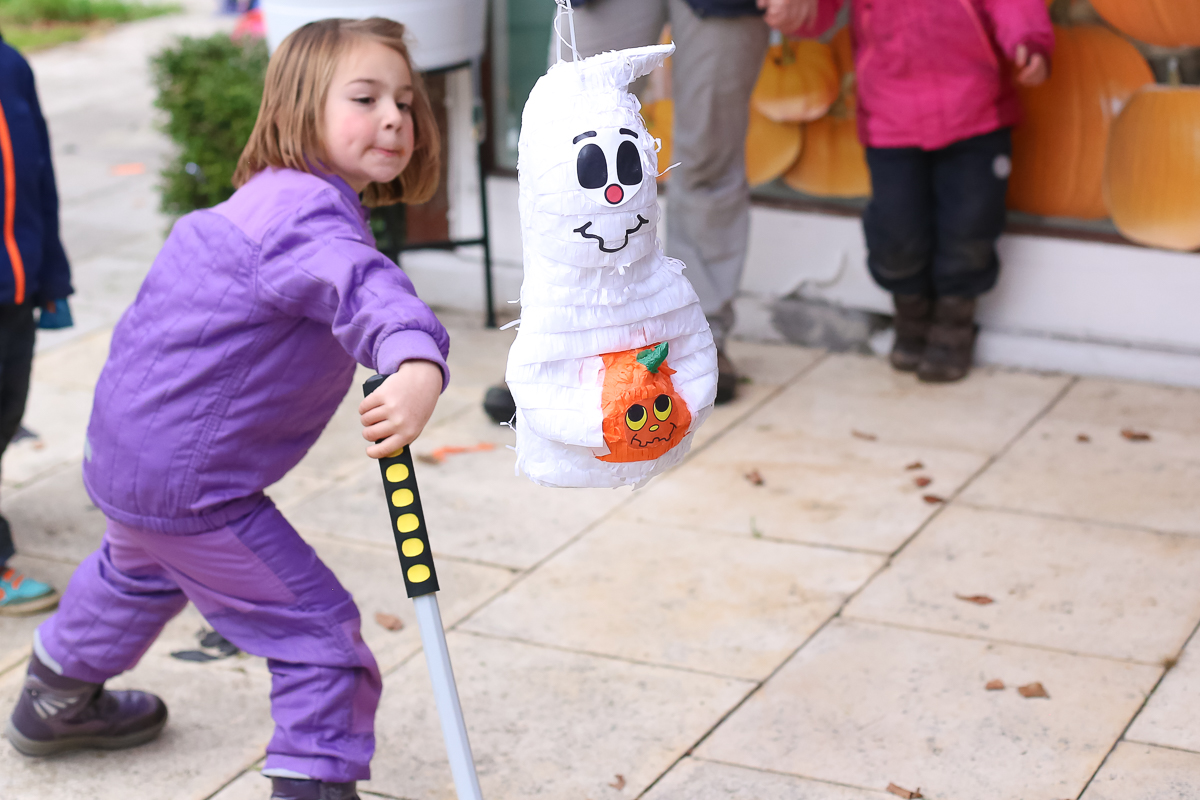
[
  {"x": 933, "y": 499},
  {"x": 869, "y": 437},
  {"x": 995, "y": 686},
  {"x": 1083, "y": 437},
  {"x": 1033, "y": 690},
  {"x": 915, "y": 465},
  {"x": 905, "y": 793},
  {"x": 619, "y": 783},
  {"x": 754, "y": 477},
  {"x": 1135, "y": 436},
  {"x": 389, "y": 621},
  {"x": 922, "y": 481},
  {"x": 977, "y": 599},
  {"x": 439, "y": 454}
]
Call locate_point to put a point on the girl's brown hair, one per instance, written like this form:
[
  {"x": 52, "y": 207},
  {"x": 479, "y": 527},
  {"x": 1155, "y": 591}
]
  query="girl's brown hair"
[{"x": 288, "y": 131}]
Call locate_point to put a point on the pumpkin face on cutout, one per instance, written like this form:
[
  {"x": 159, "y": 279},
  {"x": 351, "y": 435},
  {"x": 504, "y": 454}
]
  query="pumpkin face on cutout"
[{"x": 644, "y": 417}]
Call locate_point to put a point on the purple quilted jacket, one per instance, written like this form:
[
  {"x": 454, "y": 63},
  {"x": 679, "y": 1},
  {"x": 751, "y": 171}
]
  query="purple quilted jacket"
[{"x": 239, "y": 347}]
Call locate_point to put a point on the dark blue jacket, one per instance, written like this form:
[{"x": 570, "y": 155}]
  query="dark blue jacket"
[
  {"x": 708, "y": 8},
  {"x": 33, "y": 266}
]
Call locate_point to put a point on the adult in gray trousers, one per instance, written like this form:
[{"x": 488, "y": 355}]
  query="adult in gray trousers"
[{"x": 720, "y": 45}]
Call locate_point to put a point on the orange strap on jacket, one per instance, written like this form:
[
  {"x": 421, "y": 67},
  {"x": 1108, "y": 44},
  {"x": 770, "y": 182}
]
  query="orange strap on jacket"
[{"x": 10, "y": 210}]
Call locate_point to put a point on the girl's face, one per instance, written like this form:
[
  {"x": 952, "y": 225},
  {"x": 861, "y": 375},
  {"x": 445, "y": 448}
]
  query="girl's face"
[{"x": 368, "y": 116}]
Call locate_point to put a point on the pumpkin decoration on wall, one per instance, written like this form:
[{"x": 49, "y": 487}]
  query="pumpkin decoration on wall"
[
  {"x": 771, "y": 147},
  {"x": 1153, "y": 168},
  {"x": 1166, "y": 23},
  {"x": 613, "y": 368},
  {"x": 1059, "y": 147},
  {"x": 798, "y": 82},
  {"x": 660, "y": 122},
  {"x": 833, "y": 162}
]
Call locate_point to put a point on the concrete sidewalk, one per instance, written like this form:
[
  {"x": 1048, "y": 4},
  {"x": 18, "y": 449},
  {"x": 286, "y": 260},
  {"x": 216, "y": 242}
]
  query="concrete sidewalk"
[{"x": 812, "y": 606}]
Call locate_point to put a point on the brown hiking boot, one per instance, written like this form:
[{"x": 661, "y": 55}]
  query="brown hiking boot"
[
  {"x": 950, "y": 343},
  {"x": 55, "y": 714},
  {"x": 727, "y": 378},
  {"x": 913, "y": 315}
]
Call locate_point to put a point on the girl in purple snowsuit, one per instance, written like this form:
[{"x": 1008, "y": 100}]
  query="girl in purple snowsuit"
[{"x": 241, "y": 344}]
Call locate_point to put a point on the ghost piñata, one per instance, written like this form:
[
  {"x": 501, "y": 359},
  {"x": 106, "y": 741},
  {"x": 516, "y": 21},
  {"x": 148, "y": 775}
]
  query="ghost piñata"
[{"x": 614, "y": 367}]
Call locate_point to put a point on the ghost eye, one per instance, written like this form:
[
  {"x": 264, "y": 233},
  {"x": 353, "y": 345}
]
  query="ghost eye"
[
  {"x": 635, "y": 417},
  {"x": 591, "y": 167},
  {"x": 662, "y": 407},
  {"x": 629, "y": 164}
]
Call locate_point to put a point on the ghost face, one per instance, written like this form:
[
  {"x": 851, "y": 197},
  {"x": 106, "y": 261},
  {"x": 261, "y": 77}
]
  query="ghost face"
[{"x": 608, "y": 167}]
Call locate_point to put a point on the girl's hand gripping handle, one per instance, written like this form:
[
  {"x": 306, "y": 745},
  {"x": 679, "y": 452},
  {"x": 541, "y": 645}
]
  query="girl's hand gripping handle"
[
  {"x": 408, "y": 519},
  {"x": 396, "y": 413}
]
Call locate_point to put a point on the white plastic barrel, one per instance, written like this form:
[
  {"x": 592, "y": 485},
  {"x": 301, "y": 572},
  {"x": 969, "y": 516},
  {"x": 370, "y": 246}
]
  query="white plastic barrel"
[{"x": 442, "y": 33}]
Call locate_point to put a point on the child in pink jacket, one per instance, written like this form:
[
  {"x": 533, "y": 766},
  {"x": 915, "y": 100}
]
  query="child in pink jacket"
[{"x": 936, "y": 104}]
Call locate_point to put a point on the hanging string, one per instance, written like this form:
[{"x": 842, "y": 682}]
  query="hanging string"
[
  {"x": 565, "y": 9},
  {"x": 668, "y": 169}
]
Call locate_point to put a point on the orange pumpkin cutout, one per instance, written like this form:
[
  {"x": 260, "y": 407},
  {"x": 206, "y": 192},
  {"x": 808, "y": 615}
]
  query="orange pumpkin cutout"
[{"x": 644, "y": 417}]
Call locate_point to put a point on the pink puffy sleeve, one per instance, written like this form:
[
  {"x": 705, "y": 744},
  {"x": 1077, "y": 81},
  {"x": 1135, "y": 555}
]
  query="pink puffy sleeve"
[{"x": 1019, "y": 22}]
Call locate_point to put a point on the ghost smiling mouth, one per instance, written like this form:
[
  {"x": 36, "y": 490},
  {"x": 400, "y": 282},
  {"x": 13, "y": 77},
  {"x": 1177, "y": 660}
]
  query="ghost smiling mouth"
[{"x": 582, "y": 231}]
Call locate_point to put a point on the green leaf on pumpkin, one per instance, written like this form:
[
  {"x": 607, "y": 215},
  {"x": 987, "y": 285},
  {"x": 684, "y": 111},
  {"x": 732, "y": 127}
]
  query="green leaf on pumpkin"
[{"x": 653, "y": 357}]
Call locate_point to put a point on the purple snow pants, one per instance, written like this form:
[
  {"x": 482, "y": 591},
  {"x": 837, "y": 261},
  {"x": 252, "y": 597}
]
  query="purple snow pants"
[{"x": 261, "y": 587}]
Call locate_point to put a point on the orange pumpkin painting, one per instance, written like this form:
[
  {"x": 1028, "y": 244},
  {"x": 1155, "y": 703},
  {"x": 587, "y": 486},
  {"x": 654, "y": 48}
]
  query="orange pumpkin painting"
[
  {"x": 1058, "y": 150},
  {"x": 644, "y": 416}
]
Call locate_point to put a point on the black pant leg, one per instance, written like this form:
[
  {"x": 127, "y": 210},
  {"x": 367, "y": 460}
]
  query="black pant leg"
[
  {"x": 970, "y": 181},
  {"x": 899, "y": 220},
  {"x": 18, "y": 330}
]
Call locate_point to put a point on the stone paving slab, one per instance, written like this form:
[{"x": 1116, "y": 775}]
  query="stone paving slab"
[
  {"x": 250, "y": 786},
  {"x": 476, "y": 508},
  {"x": 1147, "y": 773},
  {"x": 220, "y": 722},
  {"x": 1146, "y": 484},
  {"x": 846, "y": 393},
  {"x": 664, "y": 596},
  {"x": 764, "y": 369},
  {"x": 54, "y": 518},
  {"x": 545, "y": 723},
  {"x": 844, "y": 492},
  {"x": 867, "y": 705},
  {"x": 696, "y": 779},
  {"x": 372, "y": 574},
  {"x": 16, "y": 633},
  {"x": 1172, "y": 715},
  {"x": 1052, "y": 582},
  {"x": 58, "y": 409}
]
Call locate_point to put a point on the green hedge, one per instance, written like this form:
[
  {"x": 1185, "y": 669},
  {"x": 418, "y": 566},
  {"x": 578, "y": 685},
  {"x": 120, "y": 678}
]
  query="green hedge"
[{"x": 210, "y": 90}]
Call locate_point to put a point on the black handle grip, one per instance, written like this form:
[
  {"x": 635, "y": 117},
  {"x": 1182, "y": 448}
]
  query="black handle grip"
[{"x": 408, "y": 519}]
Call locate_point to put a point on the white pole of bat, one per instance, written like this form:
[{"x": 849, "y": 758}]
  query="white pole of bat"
[{"x": 445, "y": 694}]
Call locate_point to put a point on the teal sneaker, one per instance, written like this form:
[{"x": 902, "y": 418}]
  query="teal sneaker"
[{"x": 21, "y": 595}]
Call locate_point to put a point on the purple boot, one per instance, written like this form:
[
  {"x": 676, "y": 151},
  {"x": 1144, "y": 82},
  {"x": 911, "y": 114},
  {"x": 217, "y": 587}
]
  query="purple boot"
[
  {"x": 292, "y": 789},
  {"x": 55, "y": 714}
]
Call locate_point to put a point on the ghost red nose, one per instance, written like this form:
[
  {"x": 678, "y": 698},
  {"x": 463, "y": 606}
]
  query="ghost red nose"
[{"x": 614, "y": 194}]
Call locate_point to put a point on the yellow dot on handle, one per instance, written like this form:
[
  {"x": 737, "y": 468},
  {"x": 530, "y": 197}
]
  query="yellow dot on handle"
[
  {"x": 407, "y": 523},
  {"x": 402, "y": 498},
  {"x": 418, "y": 573},
  {"x": 397, "y": 473},
  {"x": 411, "y": 548}
]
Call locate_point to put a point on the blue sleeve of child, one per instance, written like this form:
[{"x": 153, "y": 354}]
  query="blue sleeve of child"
[{"x": 54, "y": 277}]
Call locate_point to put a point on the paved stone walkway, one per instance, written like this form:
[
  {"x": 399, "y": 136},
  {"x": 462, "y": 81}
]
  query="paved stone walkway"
[{"x": 800, "y": 611}]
